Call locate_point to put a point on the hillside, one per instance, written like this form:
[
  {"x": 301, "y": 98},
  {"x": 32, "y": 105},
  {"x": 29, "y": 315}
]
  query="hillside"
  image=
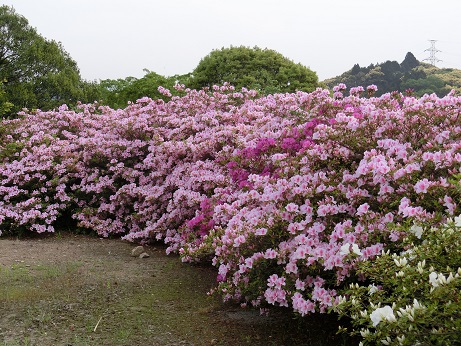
[{"x": 409, "y": 74}]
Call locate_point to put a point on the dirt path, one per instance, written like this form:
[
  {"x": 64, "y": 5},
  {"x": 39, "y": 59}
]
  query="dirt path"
[{"x": 80, "y": 290}]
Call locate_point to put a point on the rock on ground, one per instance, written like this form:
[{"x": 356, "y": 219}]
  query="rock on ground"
[{"x": 138, "y": 250}]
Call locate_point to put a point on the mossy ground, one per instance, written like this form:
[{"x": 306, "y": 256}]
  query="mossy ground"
[{"x": 79, "y": 290}]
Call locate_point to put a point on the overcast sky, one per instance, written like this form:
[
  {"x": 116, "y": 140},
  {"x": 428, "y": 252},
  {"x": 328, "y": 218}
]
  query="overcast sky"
[{"x": 119, "y": 38}]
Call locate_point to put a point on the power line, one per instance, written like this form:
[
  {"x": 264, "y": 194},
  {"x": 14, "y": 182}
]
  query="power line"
[{"x": 432, "y": 50}]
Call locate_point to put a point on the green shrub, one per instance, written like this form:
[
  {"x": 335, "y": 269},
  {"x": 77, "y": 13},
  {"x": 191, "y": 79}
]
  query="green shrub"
[{"x": 410, "y": 298}]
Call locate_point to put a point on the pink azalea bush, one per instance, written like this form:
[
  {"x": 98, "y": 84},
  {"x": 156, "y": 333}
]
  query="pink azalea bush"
[
  {"x": 140, "y": 172},
  {"x": 285, "y": 194},
  {"x": 328, "y": 191}
]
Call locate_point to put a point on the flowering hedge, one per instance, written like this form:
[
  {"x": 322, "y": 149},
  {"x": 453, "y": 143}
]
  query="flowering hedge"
[
  {"x": 330, "y": 189},
  {"x": 285, "y": 194}
]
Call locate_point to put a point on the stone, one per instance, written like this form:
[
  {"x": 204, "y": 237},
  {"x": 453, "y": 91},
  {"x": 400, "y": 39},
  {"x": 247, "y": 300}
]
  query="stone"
[
  {"x": 137, "y": 251},
  {"x": 144, "y": 255}
]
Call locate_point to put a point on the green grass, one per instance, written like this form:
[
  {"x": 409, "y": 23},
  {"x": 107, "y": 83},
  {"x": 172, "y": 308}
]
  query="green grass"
[{"x": 22, "y": 282}]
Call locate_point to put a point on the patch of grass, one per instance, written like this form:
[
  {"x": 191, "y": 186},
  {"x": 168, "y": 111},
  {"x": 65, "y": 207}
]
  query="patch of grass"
[
  {"x": 24, "y": 342},
  {"x": 22, "y": 282}
]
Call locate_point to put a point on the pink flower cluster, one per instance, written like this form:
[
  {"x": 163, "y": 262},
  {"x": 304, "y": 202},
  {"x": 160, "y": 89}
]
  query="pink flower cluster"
[
  {"x": 283, "y": 193},
  {"x": 301, "y": 216}
]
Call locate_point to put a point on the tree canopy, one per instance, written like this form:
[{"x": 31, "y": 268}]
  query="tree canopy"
[
  {"x": 36, "y": 72},
  {"x": 116, "y": 93},
  {"x": 411, "y": 74},
  {"x": 262, "y": 69}
]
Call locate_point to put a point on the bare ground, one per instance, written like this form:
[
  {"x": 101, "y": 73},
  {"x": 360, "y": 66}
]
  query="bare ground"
[{"x": 67, "y": 289}]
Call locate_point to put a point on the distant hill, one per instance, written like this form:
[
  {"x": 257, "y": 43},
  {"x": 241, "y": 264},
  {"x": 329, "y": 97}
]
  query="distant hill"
[{"x": 409, "y": 74}]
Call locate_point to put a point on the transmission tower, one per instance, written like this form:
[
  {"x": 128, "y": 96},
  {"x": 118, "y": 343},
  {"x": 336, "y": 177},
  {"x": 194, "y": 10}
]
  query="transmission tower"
[{"x": 432, "y": 50}]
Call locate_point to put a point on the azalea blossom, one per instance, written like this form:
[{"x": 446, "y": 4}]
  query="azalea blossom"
[
  {"x": 417, "y": 231},
  {"x": 457, "y": 221},
  {"x": 382, "y": 314},
  {"x": 346, "y": 249}
]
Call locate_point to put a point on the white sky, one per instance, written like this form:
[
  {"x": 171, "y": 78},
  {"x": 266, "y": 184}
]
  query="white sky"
[{"x": 119, "y": 38}]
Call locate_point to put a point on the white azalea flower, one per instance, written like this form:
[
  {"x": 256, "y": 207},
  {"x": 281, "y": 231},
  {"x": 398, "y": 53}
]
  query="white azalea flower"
[
  {"x": 372, "y": 289},
  {"x": 433, "y": 276},
  {"x": 385, "y": 313},
  {"x": 457, "y": 221},
  {"x": 356, "y": 250},
  {"x": 345, "y": 249},
  {"x": 417, "y": 231}
]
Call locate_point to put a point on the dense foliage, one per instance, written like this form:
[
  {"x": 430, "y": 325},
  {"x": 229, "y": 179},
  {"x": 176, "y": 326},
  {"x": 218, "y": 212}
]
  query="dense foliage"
[
  {"x": 36, "y": 73},
  {"x": 5, "y": 105},
  {"x": 410, "y": 74},
  {"x": 428, "y": 79},
  {"x": 118, "y": 93},
  {"x": 264, "y": 70},
  {"x": 289, "y": 195},
  {"x": 411, "y": 297},
  {"x": 253, "y": 68}
]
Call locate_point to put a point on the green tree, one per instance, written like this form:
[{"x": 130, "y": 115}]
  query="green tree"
[
  {"x": 5, "y": 105},
  {"x": 116, "y": 93},
  {"x": 113, "y": 91},
  {"x": 428, "y": 85},
  {"x": 91, "y": 91},
  {"x": 355, "y": 69},
  {"x": 387, "y": 76},
  {"x": 261, "y": 69},
  {"x": 37, "y": 73},
  {"x": 409, "y": 62}
]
